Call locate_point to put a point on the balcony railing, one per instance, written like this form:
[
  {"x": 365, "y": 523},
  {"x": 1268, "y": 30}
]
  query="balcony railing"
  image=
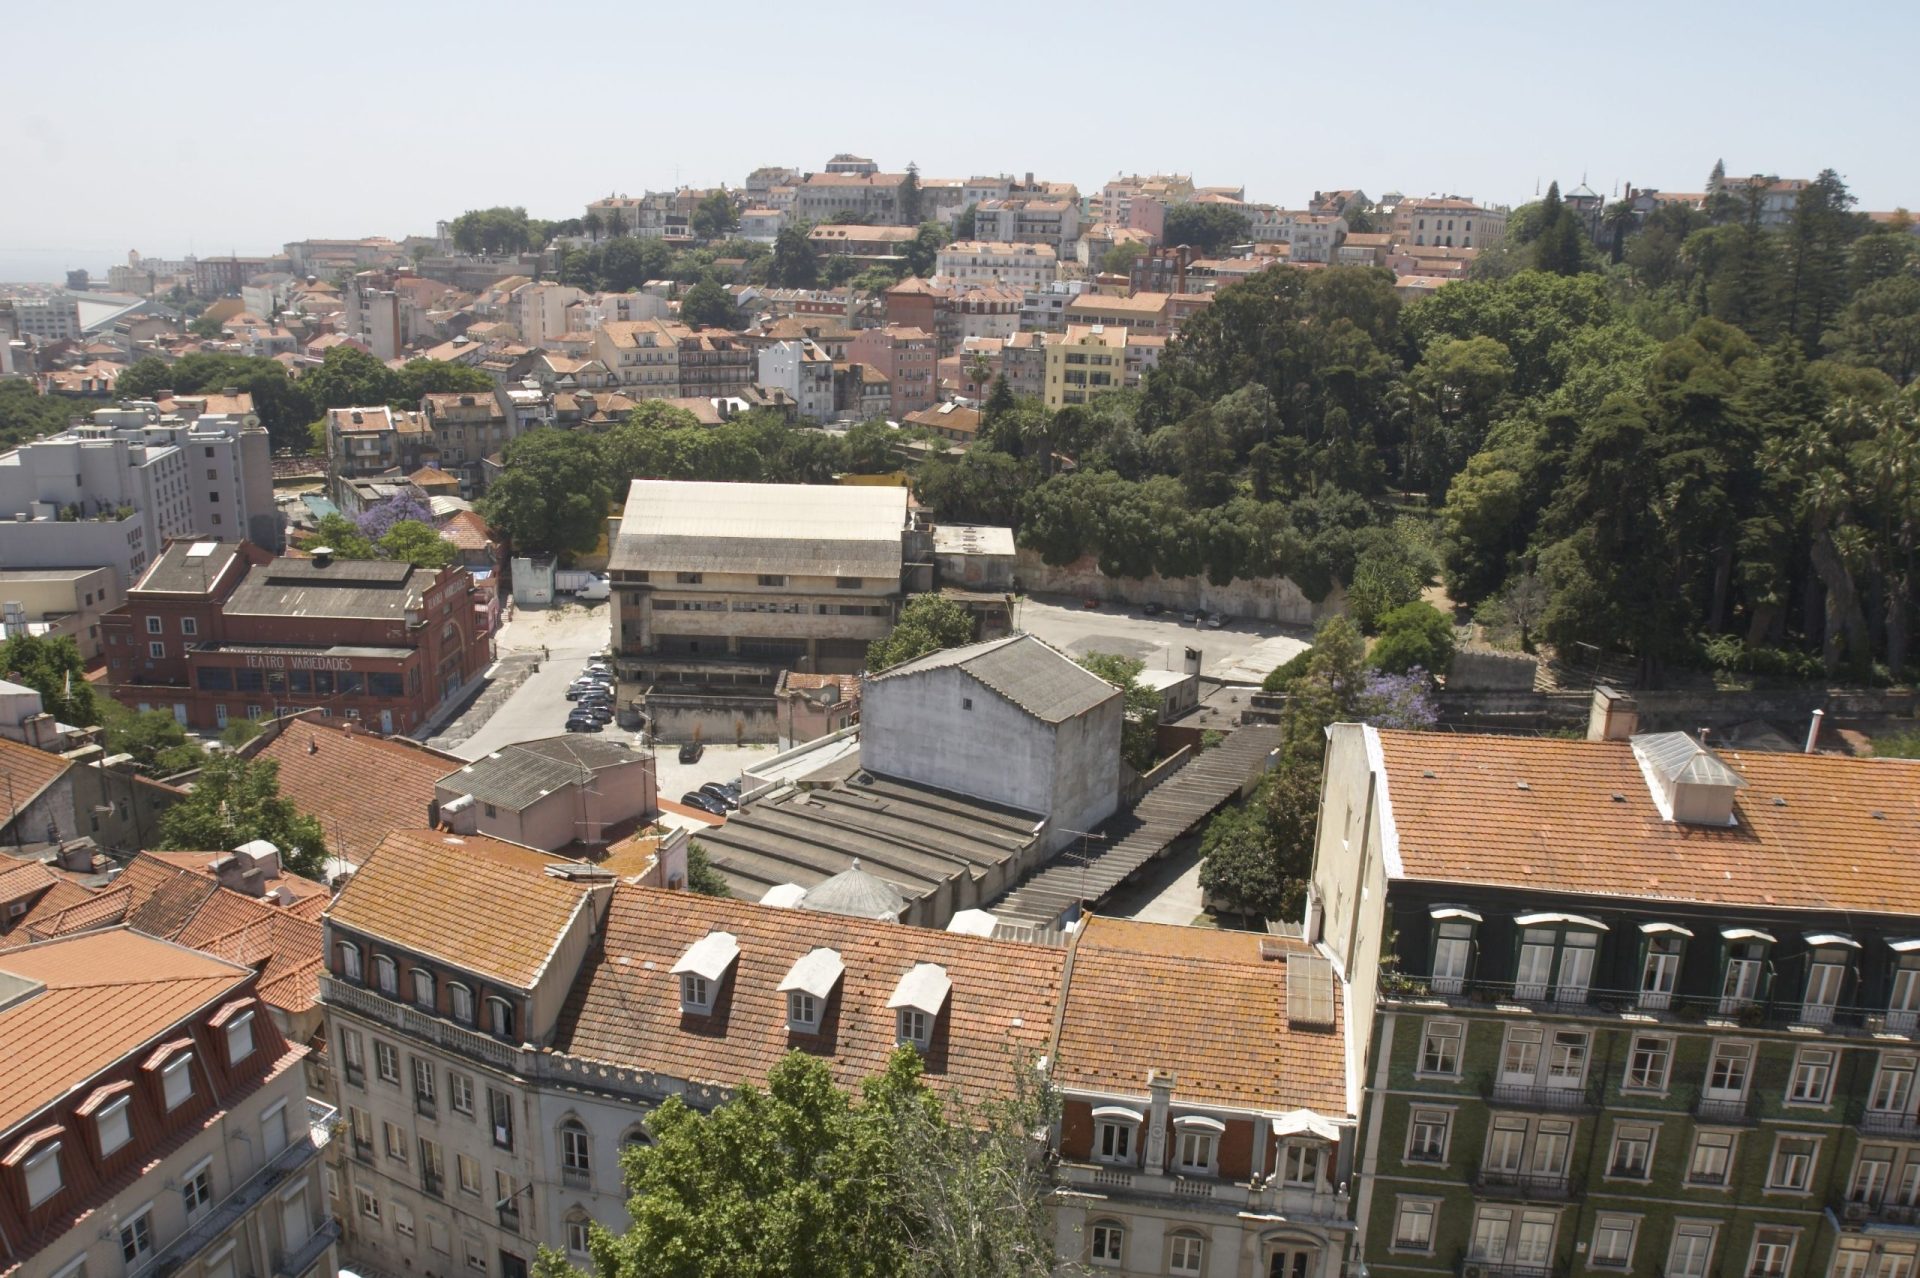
[
  {"x": 1494, "y": 1182},
  {"x": 1470, "y": 1268},
  {"x": 1881, "y": 1122},
  {"x": 433, "y": 1183},
  {"x": 1535, "y": 1096},
  {"x": 419, "y": 1024},
  {"x": 356, "y": 1072},
  {"x": 510, "y": 1218},
  {"x": 1687, "y": 1008},
  {"x": 303, "y": 1258},
  {"x": 215, "y": 1223},
  {"x": 1295, "y": 1202},
  {"x": 1744, "y": 1110},
  {"x": 576, "y": 1178},
  {"x": 1853, "y": 1215}
]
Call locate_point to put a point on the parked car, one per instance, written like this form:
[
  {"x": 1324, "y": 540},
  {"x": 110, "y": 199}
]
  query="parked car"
[
  {"x": 1190, "y": 618},
  {"x": 1213, "y": 621},
  {"x": 1152, "y": 609},
  {"x": 705, "y": 802},
  {"x": 691, "y": 752},
  {"x": 731, "y": 789},
  {"x": 584, "y": 723},
  {"x": 600, "y": 713},
  {"x": 583, "y": 689},
  {"x": 716, "y": 790}
]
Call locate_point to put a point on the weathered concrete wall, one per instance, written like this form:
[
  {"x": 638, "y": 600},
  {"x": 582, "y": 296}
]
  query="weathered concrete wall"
[
  {"x": 1481, "y": 669},
  {"x": 1660, "y": 710},
  {"x": 1266, "y": 599},
  {"x": 942, "y": 728},
  {"x": 1086, "y": 771},
  {"x": 675, "y": 718}
]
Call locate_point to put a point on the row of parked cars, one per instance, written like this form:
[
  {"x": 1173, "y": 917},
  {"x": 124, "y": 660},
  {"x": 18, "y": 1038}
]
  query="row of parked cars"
[
  {"x": 592, "y": 697},
  {"x": 715, "y": 798}
]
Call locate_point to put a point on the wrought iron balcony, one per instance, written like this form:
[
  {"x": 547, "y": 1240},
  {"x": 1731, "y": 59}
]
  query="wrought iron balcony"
[
  {"x": 1535, "y": 1096},
  {"x": 1496, "y": 1183},
  {"x": 1658, "y": 1005},
  {"x": 1742, "y": 1111},
  {"x": 1893, "y": 1123}
]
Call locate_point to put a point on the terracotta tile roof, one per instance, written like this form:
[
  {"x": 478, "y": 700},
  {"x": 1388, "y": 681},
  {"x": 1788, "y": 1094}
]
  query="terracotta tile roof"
[
  {"x": 428, "y": 477},
  {"x": 23, "y": 879},
  {"x": 625, "y": 1006},
  {"x": 165, "y": 897},
  {"x": 292, "y": 887},
  {"x": 1807, "y": 835},
  {"x": 25, "y": 772},
  {"x": 324, "y": 770},
  {"x": 481, "y": 904},
  {"x": 70, "y": 908},
  {"x": 285, "y": 949},
  {"x": 1230, "y": 1043},
  {"x": 106, "y": 994},
  {"x": 466, "y": 530}
]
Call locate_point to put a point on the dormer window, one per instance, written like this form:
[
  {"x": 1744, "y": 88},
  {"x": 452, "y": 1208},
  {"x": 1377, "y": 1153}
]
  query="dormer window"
[
  {"x": 1196, "y": 1147},
  {"x": 240, "y": 1038},
  {"x": 42, "y": 1172},
  {"x": 1452, "y": 947},
  {"x": 1827, "y": 960},
  {"x": 917, "y": 1001},
  {"x": 1743, "y": 981},
  {"x": 460, "y": 1002},
  {"x": 350, "y": 962},
  {"x": 1300, "y": 1163},
  {"x": 385, "y": 974},
  {"x": 702, "y": 968},
  {"x": 499, "y": 1017},
  {"x": 423, "y": 987},
  {"x": 1114, "y": 1130},
  {"x": 808, "y": 985},
  {"x": 1556, "y": 956},
  {"x": 1903, "y": 999},
  {"x": 176, "y": 1080},
  {"x": 111, "y": 1125},
  {"x": 1660, "y": 966}
]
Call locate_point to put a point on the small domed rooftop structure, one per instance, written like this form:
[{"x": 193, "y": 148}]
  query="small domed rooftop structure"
[{"x": 856, "y": 894}]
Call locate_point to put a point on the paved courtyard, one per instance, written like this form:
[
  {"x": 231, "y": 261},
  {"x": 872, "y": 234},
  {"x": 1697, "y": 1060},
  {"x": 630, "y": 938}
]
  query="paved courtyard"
[
  {"x": 1241, "y": 651},
  {"x": 521, "y": 702}
]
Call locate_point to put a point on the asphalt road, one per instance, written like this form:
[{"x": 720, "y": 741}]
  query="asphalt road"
[
  {"x": 1240, "y": 651},
  {"x": 556, "y": 640}
]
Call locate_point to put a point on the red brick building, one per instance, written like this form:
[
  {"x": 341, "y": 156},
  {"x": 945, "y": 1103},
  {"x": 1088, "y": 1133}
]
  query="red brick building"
[{"x": 215, "y": 631}]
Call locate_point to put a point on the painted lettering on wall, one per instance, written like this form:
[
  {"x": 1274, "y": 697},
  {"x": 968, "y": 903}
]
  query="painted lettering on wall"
[{"x": 257, "y": 661}]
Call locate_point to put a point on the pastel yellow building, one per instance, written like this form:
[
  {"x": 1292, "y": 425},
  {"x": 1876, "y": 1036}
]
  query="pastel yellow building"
[{"x": 1089, "y": 360}]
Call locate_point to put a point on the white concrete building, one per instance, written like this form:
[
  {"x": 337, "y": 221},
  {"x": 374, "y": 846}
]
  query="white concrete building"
[
  {"x": 804, "y": 372},
  {"x": 999, "y": 262},
  {"x": 85, "y": 500},
  {"x": 229, "y": 465},
  {"x": 1011, "y": 720}
]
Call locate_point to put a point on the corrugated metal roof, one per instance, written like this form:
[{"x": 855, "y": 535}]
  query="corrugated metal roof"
[
  {"x": 820, "y": 529},
  {"x": 518, "y": 775},
  {"x": 1038, "y": 678}
]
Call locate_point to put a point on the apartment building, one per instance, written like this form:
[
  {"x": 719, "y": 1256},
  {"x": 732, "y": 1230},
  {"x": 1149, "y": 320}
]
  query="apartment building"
[
  {"x": 1629, "y": 1004},
  {"x": 1050, "y": 220},
  {"x": 906, "y": 358},
  {"x": 999, "y": 262},
  {"x": 1449, "y": 221},
  {"x": 864, "y": 245},
  {"x": 1219, "y": 1143},
  {"x": 214, "y": 631},
  {"x": 93, "y": 496},
  {"x": 467, "y": 428},
  {"x": 1044, "y": 309},
  {"x": 375, "y": 441},
  {"x": 872, "y": 195},
  {"x": 735, "y": 582},
  {"x": 493, "y": 1073},
  {"x": 50, "y": 319},
  {"x": 804, "y": 372},
  {"x": 376, "y": 315},
  {"x": 641, "y": 356},
  {"x": 1310, "y": 237},
  {"x": 154, "y": 1118},
  {"x": 1141, "y": 312},
  {"x": 228, "y": 454},
  {"x": 1087, "y": 361},
  {"x": 62, "y": 602},
  {"x": 1023, "y": 362}
]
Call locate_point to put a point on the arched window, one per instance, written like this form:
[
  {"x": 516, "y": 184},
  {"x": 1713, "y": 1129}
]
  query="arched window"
[
  {"x": 385, "y": 974},
  {"x": 1288, "y": 1258},
  {"x": 499, "y": 1017},
  {"x": 578, "y": 1231},
  {"x": 576, "y": 1153},
  {"x": 423, "y": 988},
  {"x": 460, "y": 1002},
  {"x": 1107, "y": 1243},
  {"x": 1186, "y": 1254},
  {"x": 350, "y": 962}
]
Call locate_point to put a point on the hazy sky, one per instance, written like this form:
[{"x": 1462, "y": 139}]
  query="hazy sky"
[{"x": 225, "y": 127}]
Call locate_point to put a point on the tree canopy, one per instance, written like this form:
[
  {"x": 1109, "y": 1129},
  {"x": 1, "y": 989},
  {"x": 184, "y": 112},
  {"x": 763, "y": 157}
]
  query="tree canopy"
[
  {"x": 1207, "y": 228},
  {"x": 235, "y": 800},
  {"x": 927, "y": 624},
  {"x": 798, "y": 1177},
  {"x": 53, "y": 668}
]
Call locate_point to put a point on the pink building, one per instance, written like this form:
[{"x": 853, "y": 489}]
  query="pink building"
[{"x": 907, "y": 357}]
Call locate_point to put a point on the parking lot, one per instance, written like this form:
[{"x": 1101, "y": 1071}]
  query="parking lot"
[
  {"x": 1240, "y": 651},
  {"x": 558, "y": 642}
]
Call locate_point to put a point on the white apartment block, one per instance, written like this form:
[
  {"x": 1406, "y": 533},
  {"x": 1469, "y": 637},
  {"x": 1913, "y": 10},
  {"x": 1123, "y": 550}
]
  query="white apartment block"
[
  {"x": 999, "y": 262},
  {"x": 51, "y": 319},
  {"x": 804, "y": 372},
  {"x": 229, "y": 460},
  {"x": 83, "y": 501}
]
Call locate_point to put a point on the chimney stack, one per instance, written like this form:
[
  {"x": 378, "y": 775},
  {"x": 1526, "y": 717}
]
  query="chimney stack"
[
  {"x": 1813, "y": 732},
  {"x": 322, "y": 556},
  {"x": 1612, "y": 715}
]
